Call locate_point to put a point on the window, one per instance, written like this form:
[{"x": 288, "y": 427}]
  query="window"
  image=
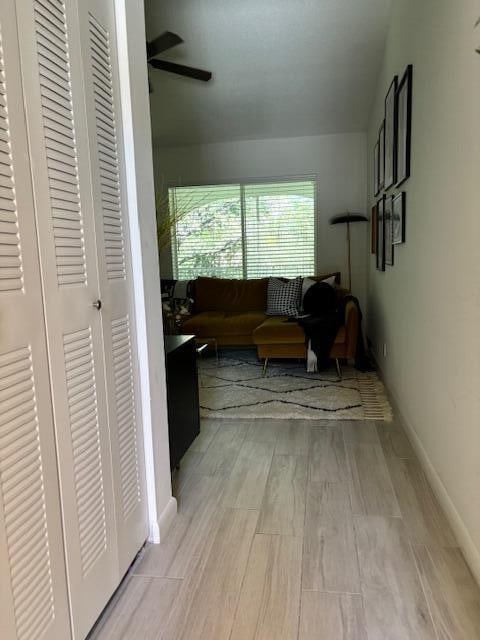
[{"x": 244, "y": 230}]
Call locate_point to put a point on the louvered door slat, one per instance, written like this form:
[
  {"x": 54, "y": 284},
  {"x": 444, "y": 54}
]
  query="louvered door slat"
[
  {"x": 59, "y": 130},
  {"x": 23, "y": 497},
  {"x": 85, "y": 438},
  {"x": 100, "y": 60},
  {"x": 125, "y": 414},
  {"x": 11, "y": 277}
]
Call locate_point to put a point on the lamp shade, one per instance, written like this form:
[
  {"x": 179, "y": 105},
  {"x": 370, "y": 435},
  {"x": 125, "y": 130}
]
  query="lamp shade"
[{"x": 343, "y": 218}]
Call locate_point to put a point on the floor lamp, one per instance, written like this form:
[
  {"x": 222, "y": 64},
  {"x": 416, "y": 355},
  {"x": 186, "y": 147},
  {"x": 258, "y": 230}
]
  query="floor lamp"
[{"x": 347, "y": 218}]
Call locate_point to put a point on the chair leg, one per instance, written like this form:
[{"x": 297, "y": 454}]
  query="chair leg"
[
  {"x": 339, "y": 368},
  {"x": 265, "y": 365}
]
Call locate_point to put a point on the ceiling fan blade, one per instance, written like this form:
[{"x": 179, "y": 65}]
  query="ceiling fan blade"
[
  {"x": 181, "y": 70},
  {"x": 163, "y": 42}
]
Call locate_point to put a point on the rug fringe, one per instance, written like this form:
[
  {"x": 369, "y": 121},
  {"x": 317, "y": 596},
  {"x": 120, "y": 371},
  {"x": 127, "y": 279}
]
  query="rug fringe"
[{"x": 374, "y": 398}]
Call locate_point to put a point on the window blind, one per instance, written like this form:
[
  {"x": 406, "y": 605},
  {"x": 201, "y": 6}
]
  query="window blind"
[{"x": 244, "y": 230}]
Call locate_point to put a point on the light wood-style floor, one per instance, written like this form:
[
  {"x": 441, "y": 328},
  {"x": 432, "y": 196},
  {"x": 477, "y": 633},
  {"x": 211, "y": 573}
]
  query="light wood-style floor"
[{"x": 300, "y": 530}]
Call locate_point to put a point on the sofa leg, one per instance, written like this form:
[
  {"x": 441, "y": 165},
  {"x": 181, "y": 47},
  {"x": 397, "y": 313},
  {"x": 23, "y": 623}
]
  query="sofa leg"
[
  {"x": 339, "y": 368},
  {"x": 265, "y": 365}
]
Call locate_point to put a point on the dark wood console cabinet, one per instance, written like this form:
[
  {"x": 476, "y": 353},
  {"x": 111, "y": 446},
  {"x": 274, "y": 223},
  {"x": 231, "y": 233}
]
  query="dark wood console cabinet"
[{"x": 182, "y": 395}]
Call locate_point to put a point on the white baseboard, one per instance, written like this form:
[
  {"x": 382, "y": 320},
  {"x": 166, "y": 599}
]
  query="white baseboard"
[
  {"x": 464, "y": 539},
  {"x": 153, "y": 532},
  {"x": 159, "y": 529}
]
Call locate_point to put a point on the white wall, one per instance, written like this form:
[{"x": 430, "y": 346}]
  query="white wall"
[
  {"x": 141, "y": 200},
  {"x": 427, "y": 307},
  {"x": 338, "y": 161}
]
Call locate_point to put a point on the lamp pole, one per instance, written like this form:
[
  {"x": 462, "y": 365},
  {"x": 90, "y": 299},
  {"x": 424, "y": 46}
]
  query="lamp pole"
[
  {"x": 347, "y": 218},
  {"x": 349, "y": 255}
]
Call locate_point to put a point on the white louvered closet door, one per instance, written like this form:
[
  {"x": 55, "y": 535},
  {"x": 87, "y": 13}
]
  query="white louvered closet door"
[
  {"x": 33, "y": 593},
  {"x": 53, "y": 85},
  {"x": 99, "y": 51}
]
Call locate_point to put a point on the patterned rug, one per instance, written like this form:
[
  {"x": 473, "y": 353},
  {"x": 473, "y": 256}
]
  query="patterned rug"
[{"x": 234, "y": 388}]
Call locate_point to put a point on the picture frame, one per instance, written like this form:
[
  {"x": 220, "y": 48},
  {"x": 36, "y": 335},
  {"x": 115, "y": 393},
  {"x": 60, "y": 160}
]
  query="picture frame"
[
  {"x": 381, "y": 156},
  {"x": 388, "y": 230},
  {"x": 380, "y": 235},
  {"x": 374, "y": 230},
  {"x": 398, "y": 217},
  {"x": 376, "y": 165},
  {"x": 391, "y": 134},
  {"x": 404, "y": 125}
]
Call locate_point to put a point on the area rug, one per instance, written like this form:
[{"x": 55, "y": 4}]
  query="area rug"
[{"x": 234, "y": 387}]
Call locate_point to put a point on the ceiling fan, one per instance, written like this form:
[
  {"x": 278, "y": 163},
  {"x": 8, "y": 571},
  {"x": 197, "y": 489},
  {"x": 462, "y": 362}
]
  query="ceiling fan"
[{"x": 166, "y": 41}]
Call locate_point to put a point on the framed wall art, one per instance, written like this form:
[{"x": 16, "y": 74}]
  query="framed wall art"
[
  {"x": 388, "y": 230},
  {"x": 376, "y": 165},
  {"x": 380, "y": 235},
  {"x": 381, "y": 156},
  {"x": 404, "y": 135},
  {"x": 391, "y": 134},
  {"x": 373, "y": 225},
  {"x": 398, "y": 215}
]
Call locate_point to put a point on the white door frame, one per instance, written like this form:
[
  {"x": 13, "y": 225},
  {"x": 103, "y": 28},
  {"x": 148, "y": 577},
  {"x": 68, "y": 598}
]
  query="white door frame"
[{"x": 162, "y": 507}]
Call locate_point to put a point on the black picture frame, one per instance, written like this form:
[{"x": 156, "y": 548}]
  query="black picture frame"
[
  {"x": 374, "y": 230},
  {"x": 376, "y": 164},
  {"x": 381, "y": 156},
  {"x": 391, "y": 135},
  {"x": 388, "y": 230},
  {"x": 404, "y": 125},
  {"x": 380, "y": 236},
  {"x": 398, "y": 217}
]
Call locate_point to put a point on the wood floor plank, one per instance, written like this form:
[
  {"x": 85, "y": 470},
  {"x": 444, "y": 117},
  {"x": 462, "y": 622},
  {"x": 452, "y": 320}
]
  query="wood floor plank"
[
  {"x": 186, "y": 541},
  {"x": 269, "y": 603},
  {"x": 245, "y": 487},
  {"x": 330, "y": 560},
  {"x": 395, "y": 604},
  {"x": 141, "y": 610},
  {"x": 425, "y": 520},
  {"x": 293, "y": 437},
  {"x": 208, "y": 430},
  {"x": 263, "y": 431},
  {"x": 360, "y": 432},
  {"x": 394, "y": 440},
  {"x": 372, "y": 492},
  {"x": 223, "y": 450},
  {"x": 207, "y": 601},
  {"x": 283, "y": 507},
  {"x": 188, "y": 465},
  {"x": 327, "y": 454},
  {"x": 452, "y": 593},
  {"x": 330, "y": 616}
]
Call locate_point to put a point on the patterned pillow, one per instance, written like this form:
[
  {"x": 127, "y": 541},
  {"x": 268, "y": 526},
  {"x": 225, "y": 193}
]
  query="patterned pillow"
[{"x": 283, "y": 297}]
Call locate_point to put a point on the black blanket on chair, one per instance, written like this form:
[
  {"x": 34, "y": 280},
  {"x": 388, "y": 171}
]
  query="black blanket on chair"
[
  {"x": 320, "y": 322},
  {"x": 324, "y": 316},
  {"x": 321, "y": 331}
]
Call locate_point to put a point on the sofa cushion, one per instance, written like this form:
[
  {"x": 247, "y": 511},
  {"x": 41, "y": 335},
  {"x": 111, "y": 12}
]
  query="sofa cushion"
[
  {"x": 209, "y": 324},
  {"x": 278, "y": 330},
  {"x": 229, "y": 295}
]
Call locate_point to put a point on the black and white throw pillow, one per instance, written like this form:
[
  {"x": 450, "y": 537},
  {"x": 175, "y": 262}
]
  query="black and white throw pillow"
[{"x": 283, "y": 297}]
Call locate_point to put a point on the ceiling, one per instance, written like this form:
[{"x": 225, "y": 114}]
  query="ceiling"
[{"x": 282, "y": 68}]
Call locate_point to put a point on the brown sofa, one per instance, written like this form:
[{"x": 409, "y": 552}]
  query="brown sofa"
[{"x": 233, "y": 312}]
